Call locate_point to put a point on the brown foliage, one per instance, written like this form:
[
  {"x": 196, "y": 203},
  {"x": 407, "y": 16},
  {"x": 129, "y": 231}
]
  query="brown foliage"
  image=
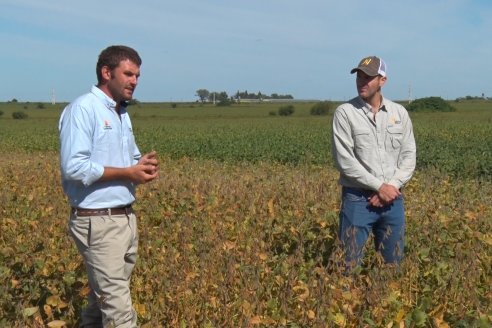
[{"x": 247, "y": 245}]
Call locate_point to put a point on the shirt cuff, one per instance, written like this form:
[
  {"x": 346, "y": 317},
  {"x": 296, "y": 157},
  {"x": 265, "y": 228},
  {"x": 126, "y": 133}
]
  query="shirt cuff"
[
  {"x": 395, "y": 183},
  {"x": 96, "y": 173},
  {"x": 375, "y": 184}
]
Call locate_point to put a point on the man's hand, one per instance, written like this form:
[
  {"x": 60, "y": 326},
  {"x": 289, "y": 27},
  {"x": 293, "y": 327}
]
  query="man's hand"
[
  {"x": 384, "y": 196},
  {"x": 143, "y": 173},
  {"x": 375, "y": 201},
  {"x": 146, "y": 169},
  {"x": 388, "y": 193},
  {"x": 150, "y": 160}
]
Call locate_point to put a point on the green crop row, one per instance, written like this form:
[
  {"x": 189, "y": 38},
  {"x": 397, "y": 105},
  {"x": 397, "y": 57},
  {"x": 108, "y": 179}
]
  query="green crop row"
[{"x": 457, "y": 143}]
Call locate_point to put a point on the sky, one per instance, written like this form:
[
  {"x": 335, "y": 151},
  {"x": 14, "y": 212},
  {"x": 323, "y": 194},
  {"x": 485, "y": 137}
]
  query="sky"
[{"x": 303, "y": 48}]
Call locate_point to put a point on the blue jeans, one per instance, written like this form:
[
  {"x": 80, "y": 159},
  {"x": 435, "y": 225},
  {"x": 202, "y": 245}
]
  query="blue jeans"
[{"x": 358, "y": 219}]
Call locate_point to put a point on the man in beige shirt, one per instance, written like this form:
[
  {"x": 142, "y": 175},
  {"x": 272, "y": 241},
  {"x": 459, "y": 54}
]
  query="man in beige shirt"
[{"x": 374, "y": 150}]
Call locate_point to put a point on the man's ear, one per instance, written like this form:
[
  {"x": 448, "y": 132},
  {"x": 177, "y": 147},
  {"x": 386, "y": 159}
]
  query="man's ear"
[
  {"x": 106, "y": 73},
  {"x": 382, "y": 80}
]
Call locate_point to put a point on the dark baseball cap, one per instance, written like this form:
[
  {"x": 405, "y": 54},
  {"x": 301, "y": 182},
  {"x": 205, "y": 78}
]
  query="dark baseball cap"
[{"x": 372, "y": 66}]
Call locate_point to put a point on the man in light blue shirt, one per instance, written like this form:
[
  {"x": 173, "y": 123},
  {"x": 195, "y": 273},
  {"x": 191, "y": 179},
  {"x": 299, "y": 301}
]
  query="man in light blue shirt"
[
  {"x": 374, "y": 150},
  {"x": 100, "y": 167}
]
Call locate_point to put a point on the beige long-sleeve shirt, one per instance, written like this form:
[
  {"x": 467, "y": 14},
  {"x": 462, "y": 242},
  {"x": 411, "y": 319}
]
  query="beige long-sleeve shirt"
[{"x": 370, "y": 149}]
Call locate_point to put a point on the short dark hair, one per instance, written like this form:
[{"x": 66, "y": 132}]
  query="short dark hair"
[{"x": 113, "y": 55}]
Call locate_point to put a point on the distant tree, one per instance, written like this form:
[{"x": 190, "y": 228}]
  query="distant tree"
[
  {"x": 202, "y": 94},
  {"x": 1, "y": 112},
  {"x": 13, "y": 100},
  {"x": 40, "y": 106},
  {"x": 133, "y": 102},
  {"x": 218, "y": 96},
  {"x": 321, "y": 108},
  {"x": 286, "y": 110},
  {"x": 224, "y": 102},
  {"x": 277, "y": 96},
  {"x": 223, "y": 96},
  {"x": 19, "y": 115},
  {"x": 471, "y": 98},
  {"x": 260, "y": 96},
  {"x": 430, "y": 104}
]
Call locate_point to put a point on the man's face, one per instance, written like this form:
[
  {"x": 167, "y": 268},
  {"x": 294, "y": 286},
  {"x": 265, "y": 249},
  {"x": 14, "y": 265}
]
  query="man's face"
[
  {"x": 123, "y": 80},
  {"x": 368, "y": 86}
]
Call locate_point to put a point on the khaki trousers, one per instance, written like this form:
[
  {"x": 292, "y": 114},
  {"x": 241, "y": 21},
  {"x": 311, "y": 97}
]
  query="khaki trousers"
[{"x": 108, "y": 245}]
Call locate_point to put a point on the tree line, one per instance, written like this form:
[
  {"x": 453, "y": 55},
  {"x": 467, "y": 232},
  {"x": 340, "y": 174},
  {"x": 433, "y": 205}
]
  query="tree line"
[{"x": 205, "y": 95}]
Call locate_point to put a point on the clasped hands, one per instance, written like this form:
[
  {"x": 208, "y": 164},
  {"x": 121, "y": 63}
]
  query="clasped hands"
[{"x": 385, "y": 195}]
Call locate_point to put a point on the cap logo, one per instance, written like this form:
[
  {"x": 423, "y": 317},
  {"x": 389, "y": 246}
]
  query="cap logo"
[{"x": 366, "y": 61}]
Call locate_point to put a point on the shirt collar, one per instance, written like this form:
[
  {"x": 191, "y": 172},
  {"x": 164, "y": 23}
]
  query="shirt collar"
[
  {"x": 107, "y": 101},
  {"x": 367, "y": 108}
]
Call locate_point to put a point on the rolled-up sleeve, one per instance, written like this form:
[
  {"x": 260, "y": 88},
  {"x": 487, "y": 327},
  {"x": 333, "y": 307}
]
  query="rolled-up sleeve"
[{"x": 76, "y": 146}]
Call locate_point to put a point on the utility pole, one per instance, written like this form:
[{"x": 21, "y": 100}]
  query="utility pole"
[
  {"x": 53, "y": 98},
  {"x": 410, "y": 93}
]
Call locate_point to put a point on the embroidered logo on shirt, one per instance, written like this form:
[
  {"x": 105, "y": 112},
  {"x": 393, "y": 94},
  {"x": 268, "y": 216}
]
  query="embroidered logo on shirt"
[
  {"x": 394, "y": 120},
  {"x": 107, "y": 125}
]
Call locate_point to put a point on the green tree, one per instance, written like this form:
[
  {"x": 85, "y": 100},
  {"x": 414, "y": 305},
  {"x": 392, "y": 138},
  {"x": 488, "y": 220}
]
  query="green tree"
[
  {"x": 19, "y": 115},
  {"x": 286, "y": 110},
  {"x": 430, "y": 104},
  {"x": 133, "y": 102},
  {"x": 203, "y": 94},
  {"x": 321, "y": 108}
]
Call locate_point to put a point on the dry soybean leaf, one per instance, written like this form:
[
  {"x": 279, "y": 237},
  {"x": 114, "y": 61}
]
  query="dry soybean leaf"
[
  {"x": 140, "y": 309},
  {"x": 400, "y": 315},
  {"x": 27, "y": 312},
  {"x": 311, "y": 315},
  {"x": 85, "y": 291},
  {"x": 53, "y": 300},
  {"x": 340, "y": 320},
  {"x": 57, "y": 324},
  {"x": 256, "y": 320},
  {"x": 246, "y": 307},
  {"x": 487, "y": 238},
  {"x": 228, "y": 245},
  {"x": 271, "y": 208},
  {"x": 15, "y": 283},
  {"x": 47, "y": 309},
  {"x": 302, "y": 291}
]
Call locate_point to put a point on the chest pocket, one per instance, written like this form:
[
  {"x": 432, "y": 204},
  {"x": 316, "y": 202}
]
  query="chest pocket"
[
  {"x": 394, "y": 137},
  {"x": 362, "y": 139}
]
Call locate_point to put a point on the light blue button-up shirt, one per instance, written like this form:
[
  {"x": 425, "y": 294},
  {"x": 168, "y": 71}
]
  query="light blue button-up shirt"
[
  {"x": 369, "y": 149},
  {"x": 94, "y": 136}
]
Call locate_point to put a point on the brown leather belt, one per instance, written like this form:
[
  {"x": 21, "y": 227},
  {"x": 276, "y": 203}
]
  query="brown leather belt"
[{"x": 102, "y": 211}]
